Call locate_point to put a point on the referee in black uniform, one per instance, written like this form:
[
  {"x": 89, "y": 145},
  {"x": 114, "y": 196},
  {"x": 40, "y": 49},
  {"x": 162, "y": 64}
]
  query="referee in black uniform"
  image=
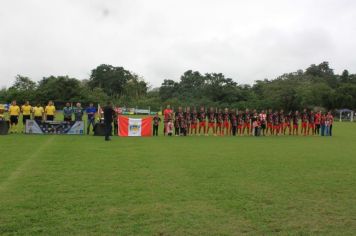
[{"x": 109, "y": 114}]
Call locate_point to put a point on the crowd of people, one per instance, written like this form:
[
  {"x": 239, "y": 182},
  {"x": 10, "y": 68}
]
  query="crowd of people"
[
  {"x": 185, "y": 122},
  {"x": 220, "y": 122},
  {"x": 47, "y": 113}
]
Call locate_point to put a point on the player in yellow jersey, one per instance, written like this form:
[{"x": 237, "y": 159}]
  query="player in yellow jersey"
[
  {"x": 26, "y": 110},
  {"x": 14, "y": 111},
  {"x": 37, "y": 112},
  {"x": 50, "y": 111},
  {"x": 2, "y": 111}
]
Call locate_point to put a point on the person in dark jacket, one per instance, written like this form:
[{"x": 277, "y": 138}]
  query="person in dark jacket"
[{"x": 109, "y": 114}]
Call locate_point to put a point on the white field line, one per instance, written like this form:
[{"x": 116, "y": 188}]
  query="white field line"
[{"x": 20, "y": 169}]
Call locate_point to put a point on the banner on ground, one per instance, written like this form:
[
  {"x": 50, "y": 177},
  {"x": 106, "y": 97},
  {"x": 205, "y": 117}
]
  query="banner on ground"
[
  {"x": 134, "y": 126},
  {"x": 54, "y": 127}
]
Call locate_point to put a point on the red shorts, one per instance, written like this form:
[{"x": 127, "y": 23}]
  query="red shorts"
[
  {"x": 202, "y": 124},
  {"x": 211, "y": 125},
  {"x": 269, "y": 125},
  {"x": 226, "y": 124},
  {"x": 193, "y": 126},
  {"x": 218, "y": 124},
  {"x": 248, "y": 125},
  {"x": 239, "y": 126},
  {"x": 311, "y": 126},
  {"x": 304, "y": 124},
  {"x": 286, "y": 125},
  {"x": 276, "y": 127},
  {"x": 295, "y": 126}
]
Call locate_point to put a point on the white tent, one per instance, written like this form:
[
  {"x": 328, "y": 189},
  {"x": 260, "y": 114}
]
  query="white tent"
[{"x": 346, "y": 114}]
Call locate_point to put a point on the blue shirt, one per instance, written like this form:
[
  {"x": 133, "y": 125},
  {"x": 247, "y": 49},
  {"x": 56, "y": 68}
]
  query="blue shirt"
[{"x": 91, "y": 110}]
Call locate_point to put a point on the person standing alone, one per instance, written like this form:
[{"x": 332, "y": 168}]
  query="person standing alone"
[{"x": 109, "y": 114}]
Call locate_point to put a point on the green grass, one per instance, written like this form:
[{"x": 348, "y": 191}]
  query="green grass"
[{"x": 80, "y": 185}]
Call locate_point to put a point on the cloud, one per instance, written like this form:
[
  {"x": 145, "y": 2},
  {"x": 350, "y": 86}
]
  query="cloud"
[{"x": 245, "y": 40}]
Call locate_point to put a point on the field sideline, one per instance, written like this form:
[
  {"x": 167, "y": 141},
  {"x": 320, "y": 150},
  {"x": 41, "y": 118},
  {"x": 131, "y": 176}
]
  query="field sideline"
[{"x": 179, "y": 185}]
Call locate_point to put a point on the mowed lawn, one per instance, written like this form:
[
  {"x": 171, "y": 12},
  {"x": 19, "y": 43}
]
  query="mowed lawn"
[{"x": 80, "y": 185}]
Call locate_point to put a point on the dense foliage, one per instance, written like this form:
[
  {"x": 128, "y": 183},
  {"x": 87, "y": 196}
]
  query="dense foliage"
[{"x": 317, "y": 86}]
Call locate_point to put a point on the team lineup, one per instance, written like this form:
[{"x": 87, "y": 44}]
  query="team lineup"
[
  {"x": 232, "y": 122},
  {"x": 218, "y": 122}
]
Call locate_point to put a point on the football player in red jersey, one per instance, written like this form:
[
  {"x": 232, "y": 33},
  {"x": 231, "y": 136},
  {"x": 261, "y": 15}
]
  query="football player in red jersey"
[
  {"x": 188, "y": 119},
  {"x": 276, "y": 125},
  {"x": 287, "y": 123},
  {"x": 211, "y": 120},
  {"x": 263, "y": 122},
  {"x": 219, "y": 122},
  {"x": 226, "y": 122},
  {"x": 304, "y": 118},
  {"x": 311, "y": 123},
  {"x": 240, "y": 123},
  {"x": 202, "y": 120},
  {"x": 269, "y": 122},
  {"x": 167, "y": 113},
  {"x": 234, "y": 122},
  {"x": 194, "y": 122},
  {"x": 247, "y": 122},
  {"x": 281, "y": 121},
  {"x": 295, "y": 119}
]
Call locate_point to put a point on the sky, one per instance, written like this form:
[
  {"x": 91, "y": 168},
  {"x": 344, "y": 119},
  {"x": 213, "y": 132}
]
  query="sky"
[{"x": 161, "y": 39}]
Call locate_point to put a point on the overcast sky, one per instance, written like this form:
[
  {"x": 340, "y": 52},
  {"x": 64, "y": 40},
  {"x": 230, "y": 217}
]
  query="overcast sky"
[{"x": 160, "y": 39}]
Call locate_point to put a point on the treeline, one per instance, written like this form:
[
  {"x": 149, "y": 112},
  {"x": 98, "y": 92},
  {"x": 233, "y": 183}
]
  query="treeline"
[{"x": 316, "y": 86}]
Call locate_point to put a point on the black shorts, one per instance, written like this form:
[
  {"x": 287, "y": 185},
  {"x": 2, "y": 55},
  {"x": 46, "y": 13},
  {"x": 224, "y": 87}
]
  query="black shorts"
[
  {"x": 38, "y": 118},
  {"x": 50, "y": 117},
  {"x": 263, "y": 126},
  {"x": 14, "y": 120},
  {"x": 25, "y": 117},
  {"x": 68, "y": 119}
]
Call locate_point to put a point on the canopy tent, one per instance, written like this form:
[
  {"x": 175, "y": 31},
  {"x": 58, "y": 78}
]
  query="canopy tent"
[{"x": 346, "y": 114}]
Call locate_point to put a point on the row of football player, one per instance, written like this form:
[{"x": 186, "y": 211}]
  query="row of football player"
[{"x": 251, "y": 123}]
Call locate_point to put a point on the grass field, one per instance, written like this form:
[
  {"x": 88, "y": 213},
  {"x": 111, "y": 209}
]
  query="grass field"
[{"x": 80, "y": 185}]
